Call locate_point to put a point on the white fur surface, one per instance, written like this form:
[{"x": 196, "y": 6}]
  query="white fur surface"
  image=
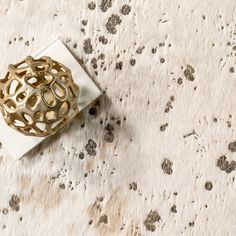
[{"x": 196, "y": 33}]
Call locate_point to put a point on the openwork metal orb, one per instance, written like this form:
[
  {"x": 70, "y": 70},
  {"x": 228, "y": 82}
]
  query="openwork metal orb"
[{"x": 38, "y": 96}]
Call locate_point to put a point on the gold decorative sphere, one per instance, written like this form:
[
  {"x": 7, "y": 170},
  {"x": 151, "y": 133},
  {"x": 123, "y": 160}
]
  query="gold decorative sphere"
[{"x": 38, "y": 96}]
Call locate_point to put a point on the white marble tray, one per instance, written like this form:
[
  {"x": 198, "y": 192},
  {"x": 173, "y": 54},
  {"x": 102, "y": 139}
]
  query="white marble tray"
[{"x": 17, "y": 144}]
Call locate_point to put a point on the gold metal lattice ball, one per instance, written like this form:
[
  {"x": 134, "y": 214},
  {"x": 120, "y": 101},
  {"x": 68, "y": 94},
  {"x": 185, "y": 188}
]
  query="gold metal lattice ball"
[{"x": 38, "y": 96}]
